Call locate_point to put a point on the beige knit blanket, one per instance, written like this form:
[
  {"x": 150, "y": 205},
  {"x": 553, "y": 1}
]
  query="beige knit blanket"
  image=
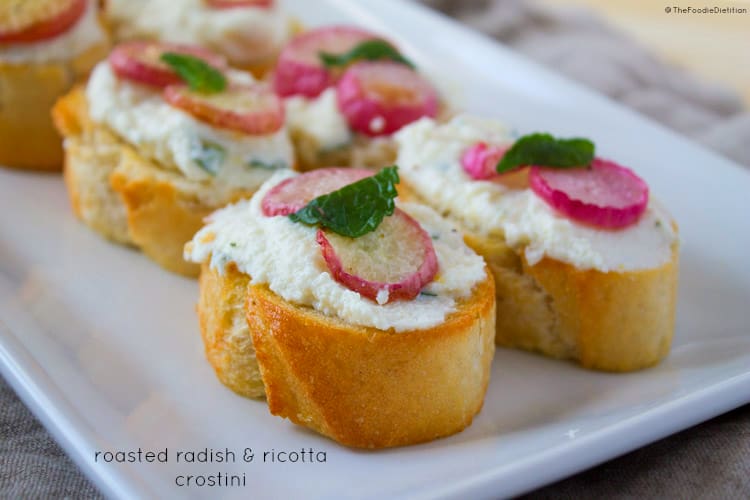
[{"x": 580, "y": 45}]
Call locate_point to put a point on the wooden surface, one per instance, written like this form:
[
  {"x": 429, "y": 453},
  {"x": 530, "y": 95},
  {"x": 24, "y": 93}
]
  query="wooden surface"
[{"x": 714, "y": 46}]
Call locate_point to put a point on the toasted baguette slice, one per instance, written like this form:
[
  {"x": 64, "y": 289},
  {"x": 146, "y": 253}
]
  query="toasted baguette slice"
[
  {"x": 27, "y": 93},
  {"x": 127, "y": 197},
  {"x": 610, "y": 321},
  {"x": 226, "y": 337},
  {"x": 92, "y": 153},
  {"x": 370, "y": 388},
  {"x": 165, "y": 209},
  {"x": 360, "y": 386}
]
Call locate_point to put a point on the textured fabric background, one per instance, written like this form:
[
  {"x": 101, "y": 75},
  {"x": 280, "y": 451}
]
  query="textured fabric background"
[
  {"x": 578, "y": 44},
  {"x": 709, "y": 461}
]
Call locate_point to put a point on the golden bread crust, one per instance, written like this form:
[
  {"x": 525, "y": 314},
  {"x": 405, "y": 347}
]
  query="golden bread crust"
[
  {"x": 370, "y": 388},
  {"x": 92, "y": 153},
  {"x": 163, "y": 211},
  {"x": 27, "y": 94},
  {"x": 613, "y": 321},
  {"x": 227, "y": 340},
  {"x": 621, "y": 321}
]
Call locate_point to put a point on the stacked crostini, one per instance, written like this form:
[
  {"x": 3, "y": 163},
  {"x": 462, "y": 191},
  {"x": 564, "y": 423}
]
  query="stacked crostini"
[
  {"x": 366, "y": 320},
  {"x": 347, "y": 91},
  {"x": 161, "y": 136},
  {"x": 46, "y": 46},
  {"x": 584, "y": 260},
  {"x": 249, "y": 33}
]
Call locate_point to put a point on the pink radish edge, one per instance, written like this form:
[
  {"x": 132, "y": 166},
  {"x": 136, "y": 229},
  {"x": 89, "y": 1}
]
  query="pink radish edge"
[
  {"x": 374, "y": 116},
  {"x": 267, "y": 118},
  {"x": 297, "y": 78},
  {"x": 297, "y": 74},
  {"x": 406, "y": 289},
  {"x": 605, "y": 195},
  {"x": 140, "y": 61},
  {"x": 480, "y": 161},
  {"x": 292, "y": 194}
]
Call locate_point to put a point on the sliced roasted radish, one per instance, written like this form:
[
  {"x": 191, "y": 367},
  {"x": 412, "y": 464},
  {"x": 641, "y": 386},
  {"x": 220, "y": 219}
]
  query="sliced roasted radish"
[
  {"x": 605, "y": 194},
  {"x": 394, "y": 262},
  {"x": 378, "y": 98},
  {"x": 26, "y": 21},
  {"x": 231, "y": 4},
  {"x": 252, "y": 109},
  {"x": 480, "y": 163},
  {"x": 480, "y": 160},
  {"x": 141, "y": 61},
  {"x": 294, "y": 193},
  {"x": 300, "y": 71}
]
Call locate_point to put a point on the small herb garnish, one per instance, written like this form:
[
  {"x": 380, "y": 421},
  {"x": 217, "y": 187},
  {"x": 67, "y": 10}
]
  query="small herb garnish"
[
  {"x": 369, "y": 50},
  {"x": 233, "y": 244},
  {"x": 274, "y": 165},
  {"x": 545, "y": 150},
  {"x": 209, "y": 156},
  {"x": 197, "y": 73},
  {"x": 427, "y": 294},
  {"x": 356, "y": 209}
]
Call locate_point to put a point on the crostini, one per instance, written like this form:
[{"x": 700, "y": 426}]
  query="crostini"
[
  {"x": 346, "y": 92},
  {"x": 46, "y": 46},
  {"x": 161, "y": 136},
  {"x": 585, "y": 261},
  {"x": 249, "y": 33},
  {"x": 368, "y": 321}
]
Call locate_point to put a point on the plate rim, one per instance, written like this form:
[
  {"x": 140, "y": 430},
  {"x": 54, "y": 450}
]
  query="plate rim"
[
  {"x": 45, "y": 401},
  {"x": 48, "y": 404}
]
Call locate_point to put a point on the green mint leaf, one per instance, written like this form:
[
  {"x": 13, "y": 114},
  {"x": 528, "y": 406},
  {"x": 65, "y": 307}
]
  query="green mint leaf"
[
  {"x": 197, "y": 73},
  {"x": 356, "y": 209},
  {"x": 274, "y": 165},
  {"x": 209, "y": 156},
  {"x": 369, "y": 50},
  {"x": 545, "y": 150}
]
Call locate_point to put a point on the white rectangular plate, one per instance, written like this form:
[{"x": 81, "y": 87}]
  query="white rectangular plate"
[{"x": 104, "y": 346}]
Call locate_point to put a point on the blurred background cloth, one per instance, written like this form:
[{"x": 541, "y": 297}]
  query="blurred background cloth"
[
  {"x": 579, "y": 44},
  {"x": 711, "y": 460}
]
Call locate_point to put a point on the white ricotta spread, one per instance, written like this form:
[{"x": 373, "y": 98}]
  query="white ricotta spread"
[
  {"x": 177, "y": 141},
  {"x": 86, "y": 33},
  {"x": 320, "y": 119},
  {"x": 430, "y": 161},
  {"x": 285, "y": 255},
  {"x": 246, "y": 35}
]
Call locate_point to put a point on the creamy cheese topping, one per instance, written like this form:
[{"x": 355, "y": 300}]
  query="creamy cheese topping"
[
  {"x": 320, "y": 119},
  {"x": 430, "y": 161},
  {"x": 86, "y": 33},
  {"x": 177, "y": 141},
  {"x": 285, "y": 255},
  {"x": 246, "y": 35}
]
